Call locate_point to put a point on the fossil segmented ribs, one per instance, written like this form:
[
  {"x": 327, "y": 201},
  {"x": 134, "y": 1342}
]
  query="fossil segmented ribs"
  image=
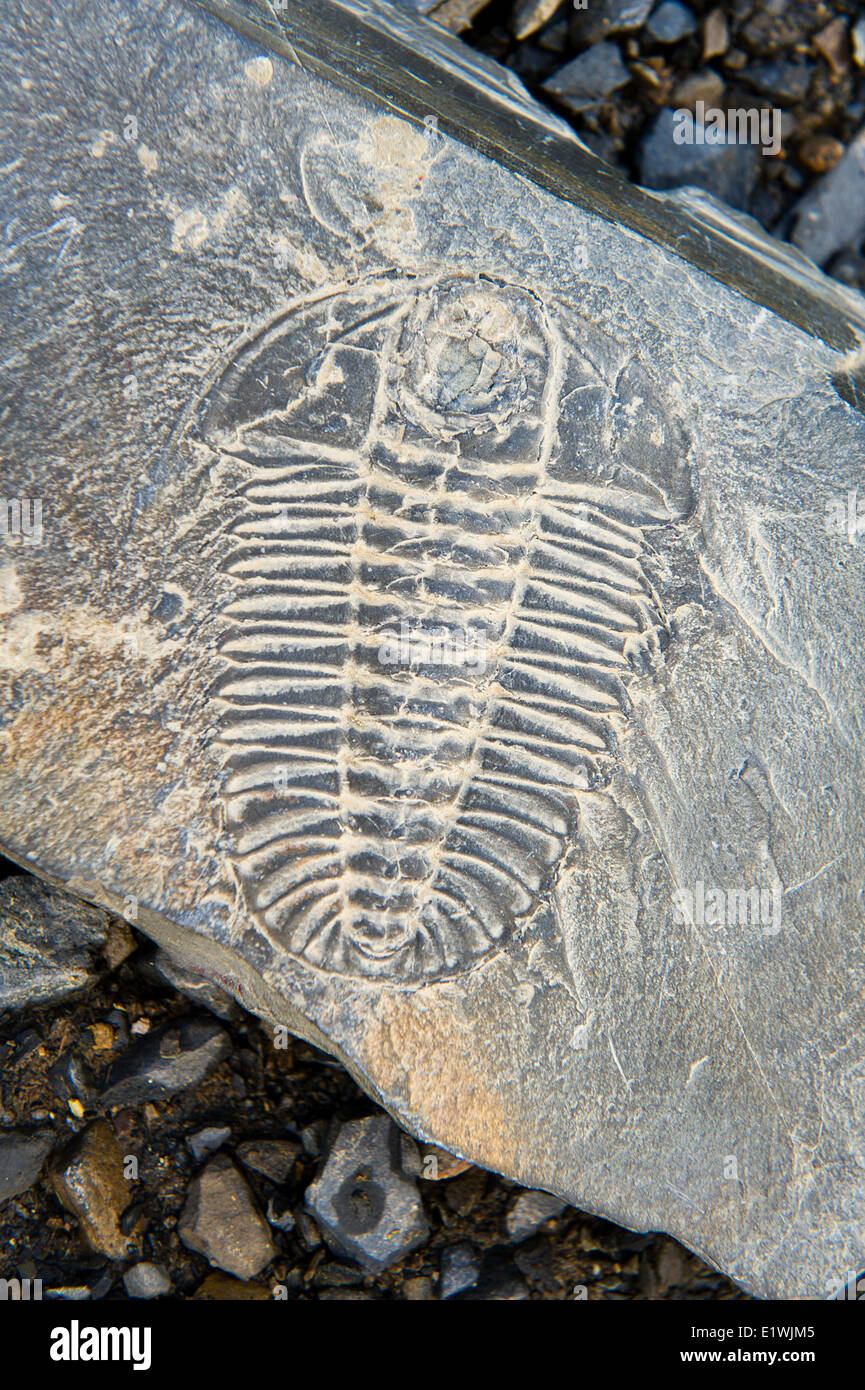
[{"x": 407, "y": 475}]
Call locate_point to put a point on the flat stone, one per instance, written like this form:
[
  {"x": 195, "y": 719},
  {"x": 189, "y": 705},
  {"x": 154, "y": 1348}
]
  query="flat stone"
[
  {"x": 590, "y": 78},
  {"x": 671, "y": 22},
  {"x": 51, "y": 944},
  {"x": 706, "y": 86},
  {"x": 21, "y": 1158},
  {"x": 460, "y": 1269},
  {"x": 173, "y": 1058},
  {"x": 781, "y": 81},
  {"x": 531, "y": 15},
  {"x": 831, "y": 216},
  {"x": 529, "y": 1211},
  {"x": 221, "y": 1221},
  {"x": 595, "y": 19},
  {"x": 429, "y": 1162},
  {"x": 89, "y": 1180},
  {"x": 222, "y": 1288},
  {"x": 205, "y": 1142},
  {"x": 729, "y": 171},
  {"x": 146, "y": 1280},
  {"x": 272, "y": 1158},
  {"x": 364, "y": 1205},
  {"x": 716, "y": 34},
  {"x": 442, "y": 626}
]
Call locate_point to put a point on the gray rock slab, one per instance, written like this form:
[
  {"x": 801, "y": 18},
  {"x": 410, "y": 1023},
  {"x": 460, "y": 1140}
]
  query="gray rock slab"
[{"x": 442, "y": 623}]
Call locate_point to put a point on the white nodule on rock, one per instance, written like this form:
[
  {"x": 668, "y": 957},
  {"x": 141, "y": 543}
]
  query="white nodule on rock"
[
  {"x": 148, "y": 159},
  {"x": 259, "y": 71}
]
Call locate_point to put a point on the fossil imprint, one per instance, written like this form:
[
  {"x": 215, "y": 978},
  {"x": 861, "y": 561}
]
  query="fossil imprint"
[{"x": 440, "y": 599}]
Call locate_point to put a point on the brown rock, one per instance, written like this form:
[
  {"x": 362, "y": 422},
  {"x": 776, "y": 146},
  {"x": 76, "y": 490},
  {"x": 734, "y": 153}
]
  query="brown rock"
[
  {"x": 418, "y": 1290},
  {"x": 831, "y": 44},
  {"x": 219, "y": 1288},
  {"x": 464, "y": 1193},
  {"x": 704, "y": 86},
  {"x": 820, "y": 154},
  {"x": 222, "y": 1222},
  {"x": 457, "y": 15},
  {"x": 88, "y": 1179},
  {"x": 273, "y": 1158},
  {"x": 531, "y": 15},
  {"x": 716, "y": 35},
  {"x": 437, "y": 1164}
]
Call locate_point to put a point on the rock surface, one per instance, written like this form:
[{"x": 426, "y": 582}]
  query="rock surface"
[
  {"x": 360, "y": 375},
  {"x": 586, "y": 80}
]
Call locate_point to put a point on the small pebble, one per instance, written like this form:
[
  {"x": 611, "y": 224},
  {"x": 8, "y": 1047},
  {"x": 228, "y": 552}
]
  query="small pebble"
[
  {"x": 706, "y": 86},
  {"x": 364, "y": 1205},
  {"x": 221, "y": 1221},
  {"x": 716, "y": 35},
  {"x": 146, "y": 1280},
  {"x": 588, "y": 79},
  {"x": 460, "y": 1269},
  {"x": 820, "y": 154},
  {"x": 530, "y": 1211},
  {"x": 89, "y": 1179},
  {"x": 671, "y": 22},
  {"x": 831, "y": 44},
  {"x": 206, "y": 1141}
]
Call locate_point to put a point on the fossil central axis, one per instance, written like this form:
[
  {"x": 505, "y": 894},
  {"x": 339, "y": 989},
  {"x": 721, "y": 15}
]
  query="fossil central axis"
[{"x": 426, "y": 652}]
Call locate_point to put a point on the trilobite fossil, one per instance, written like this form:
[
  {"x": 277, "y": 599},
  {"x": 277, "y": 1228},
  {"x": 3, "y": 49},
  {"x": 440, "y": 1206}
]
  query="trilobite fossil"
[{"x": 440, "y": 598}]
